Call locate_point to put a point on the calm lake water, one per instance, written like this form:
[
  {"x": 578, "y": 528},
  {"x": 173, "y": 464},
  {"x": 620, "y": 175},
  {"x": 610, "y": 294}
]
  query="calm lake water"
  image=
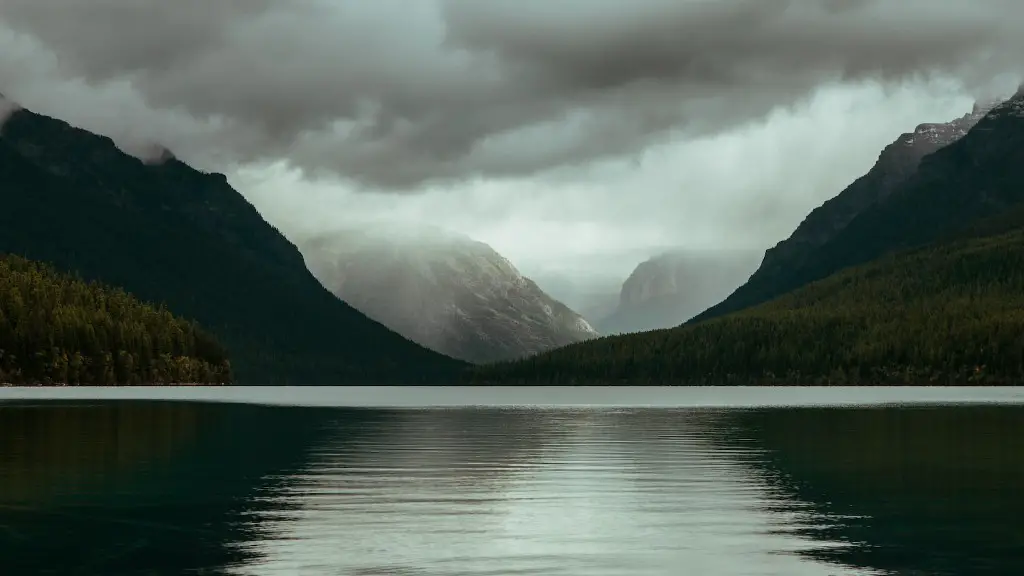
[{"x": 705, "y": 482}]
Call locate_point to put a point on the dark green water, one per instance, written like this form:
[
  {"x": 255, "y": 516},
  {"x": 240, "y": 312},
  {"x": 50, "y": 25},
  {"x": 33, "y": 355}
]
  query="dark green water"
[{"x": 133, "y": 487}]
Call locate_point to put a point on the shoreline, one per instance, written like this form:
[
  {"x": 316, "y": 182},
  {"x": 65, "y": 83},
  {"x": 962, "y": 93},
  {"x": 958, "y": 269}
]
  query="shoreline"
[
  {"x": 192, "y": 384},
  {"x": 527, "y": 384}
]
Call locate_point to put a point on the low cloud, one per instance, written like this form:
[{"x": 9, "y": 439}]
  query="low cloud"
[
  {"x": 399, "y": 95},
  {"x": 577, "y": 137},
  {"x": 7, "y": 107},
  {"x": 743, "y": 189}
]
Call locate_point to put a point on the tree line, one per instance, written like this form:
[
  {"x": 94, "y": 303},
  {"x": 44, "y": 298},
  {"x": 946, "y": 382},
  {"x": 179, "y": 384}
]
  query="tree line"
[
  {"x": 58, "y": 329},
  {"x": 170, "y": 234},
  {"x": 948, "y": 314}
]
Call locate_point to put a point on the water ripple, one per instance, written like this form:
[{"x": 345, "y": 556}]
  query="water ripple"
[
  {"x": 579, "y": 492},
  {"x": 127, "y": 488}
]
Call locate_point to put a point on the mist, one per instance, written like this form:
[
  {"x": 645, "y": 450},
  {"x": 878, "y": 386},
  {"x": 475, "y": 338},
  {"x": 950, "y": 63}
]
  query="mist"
[
  {"x": 743, "y": 189},
  {"x": 577, "y": 138},
  {"x": 7, "y": 107}
]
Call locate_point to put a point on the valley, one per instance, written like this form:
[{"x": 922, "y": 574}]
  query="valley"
[{"x": 908, "y": 276}]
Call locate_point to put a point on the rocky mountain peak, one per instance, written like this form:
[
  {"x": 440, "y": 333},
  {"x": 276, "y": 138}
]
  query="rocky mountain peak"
[
  {"x": 658, "y": 276},
  {"x": 897, "y": 162},
  {"x": 175, "y": 235},
  {"x": 1013, "y": 106},
  {"x": 976, "y": 175},
  {"x": 945, "y": 133},
  {"x": 669, "y": 288}
]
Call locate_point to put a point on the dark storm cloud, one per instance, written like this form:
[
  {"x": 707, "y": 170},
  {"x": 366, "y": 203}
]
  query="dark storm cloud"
[
  {"x": 395, "y": 93},
  {"x": 102, "y": 38}
]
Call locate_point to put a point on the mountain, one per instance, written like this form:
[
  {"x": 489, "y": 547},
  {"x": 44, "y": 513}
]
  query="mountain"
[
  {"x": 55, "y": 329},
  {"x": 170, "y": 234},
  {"x": 444, "y": 291},
  {"x": 945, "y": 314},
  {"x": 783, "y": 265},
  {"x": 922, "y": 287},
  {"x": 669, "y": 289}
]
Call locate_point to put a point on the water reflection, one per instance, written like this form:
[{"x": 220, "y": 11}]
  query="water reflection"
[
  {"x": 139, "y": 488},
  {"x": 580, "y": 492},
  {"x": 38, "y": 464},
  {"x": 936, "y": 491},
  {"x": 119, "y": 488}
]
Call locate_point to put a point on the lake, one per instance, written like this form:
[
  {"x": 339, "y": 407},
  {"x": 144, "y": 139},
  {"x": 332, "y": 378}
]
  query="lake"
[{"x": 564, "y": 481}]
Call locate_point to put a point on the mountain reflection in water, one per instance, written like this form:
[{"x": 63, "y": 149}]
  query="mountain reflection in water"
[
  {"x": 122, "y": 488},
  {"x": 915, "y": 490}
]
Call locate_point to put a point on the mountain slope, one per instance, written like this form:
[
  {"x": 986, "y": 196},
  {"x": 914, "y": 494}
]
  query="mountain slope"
[
  {"x": 447, "y": 292},
  {"x": 168, "y": 233},
  {"x": 669, "y": 289},
  {"x": 952, "y": 313},
  {"x": 55, "y": 329},
  {"x": 800, "y": 258},
  {"x": 945, "y": 312}
]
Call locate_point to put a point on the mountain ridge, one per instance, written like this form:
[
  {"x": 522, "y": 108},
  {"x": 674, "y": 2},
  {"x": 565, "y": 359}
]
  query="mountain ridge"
[
  {"x": 958, "y": 323},
  {"x": 799, "y": 259},
  {"x": 922, "y": 288},
  {"x": 669, "y": 288},
  {"x": 168, "y": 233},
  {"x": 445, "y": 291}
]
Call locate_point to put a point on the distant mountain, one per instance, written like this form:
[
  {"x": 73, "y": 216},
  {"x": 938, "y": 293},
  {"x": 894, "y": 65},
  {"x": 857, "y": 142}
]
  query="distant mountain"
[
  {"x": 671, "y": 288},
  {"x": 947, "y": 314},
  {"x": 445, "y": 291},
  {"x": 781, "y": 268},
  {"x": 168, "y": 233},
  {"x": 922, "y": 287}
]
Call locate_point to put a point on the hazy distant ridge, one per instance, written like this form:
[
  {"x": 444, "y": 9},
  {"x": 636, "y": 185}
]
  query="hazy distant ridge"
[{"x": 445, "y": 291}]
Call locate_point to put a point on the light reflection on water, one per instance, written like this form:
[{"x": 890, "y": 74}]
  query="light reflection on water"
[
  {"x": 179, "y": 488},
  {"x": 521, "y": 492}
]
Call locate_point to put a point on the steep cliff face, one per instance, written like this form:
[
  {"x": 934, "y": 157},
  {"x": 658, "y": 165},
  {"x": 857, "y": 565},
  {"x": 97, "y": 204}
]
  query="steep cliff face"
[
  {"x": 670, "y": 288},
  {"x": 444, "y": 291}
]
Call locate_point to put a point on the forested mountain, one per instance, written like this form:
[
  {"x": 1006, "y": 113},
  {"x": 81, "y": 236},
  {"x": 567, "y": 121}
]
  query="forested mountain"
[
  {"x": 939, "y": 300},
  {"x": 55, "y": 329},
  {"x": 170, "y": 234},
  {"x": 924, "y": 186},
  {"x": 952, "y": 313},
  {"x": 670, "y": 288},
  {"x": 445, "y": 291}
]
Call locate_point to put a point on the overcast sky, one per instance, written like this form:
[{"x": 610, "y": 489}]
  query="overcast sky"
[{"x": 574, "y": 135}]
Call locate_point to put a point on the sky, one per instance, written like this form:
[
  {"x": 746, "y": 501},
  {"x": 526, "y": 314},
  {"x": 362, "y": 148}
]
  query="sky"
[{"x": 577, "y": 137}]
